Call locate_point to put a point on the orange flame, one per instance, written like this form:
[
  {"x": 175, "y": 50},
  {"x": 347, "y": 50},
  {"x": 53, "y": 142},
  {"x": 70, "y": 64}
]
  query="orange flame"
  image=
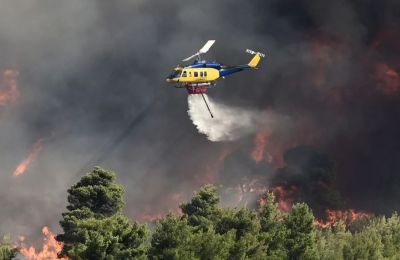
[
  {"x": 285, "y": 196},
  {"x": 49, "y": 251},
  {"x": 389, "y": 79},
  {"x": 248, "y": 191},
  {"x": 213, "y": 168},
  {"x": 8, "y": 86},
  {"x": 149, "y": 215},
  {"x": 348, "y": 217},
  {"x": 260, "y": 141},
  {"x": 23, "y": 165}
]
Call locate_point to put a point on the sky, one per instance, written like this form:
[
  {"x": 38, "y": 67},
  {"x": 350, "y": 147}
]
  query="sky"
[{"x": 85, "y": 86}]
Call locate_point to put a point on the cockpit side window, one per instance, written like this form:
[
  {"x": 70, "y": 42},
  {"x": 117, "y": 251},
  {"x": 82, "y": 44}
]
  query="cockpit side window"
[
  {"x": 175, "y": 74},
  {"x": 184, "y": 74}
]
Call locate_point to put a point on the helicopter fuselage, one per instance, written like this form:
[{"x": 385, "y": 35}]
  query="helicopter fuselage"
[{"x": 199, "y": 76}]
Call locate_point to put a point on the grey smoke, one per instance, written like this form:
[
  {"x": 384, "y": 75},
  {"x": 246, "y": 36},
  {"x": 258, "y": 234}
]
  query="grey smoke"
[{"x": 89, "y": 68}]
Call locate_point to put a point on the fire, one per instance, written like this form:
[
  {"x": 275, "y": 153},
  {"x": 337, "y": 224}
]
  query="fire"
[
  {"x": 348, "y": 217},
  {"x": 8, "y": 86},
  {"x": 212, "y": 169},
  {"x": 34, "y": 153},
  {"x": 285, "y": 196},
  {"x": 248, "y": 191},
  {"x": 388, "y": 78},
  {"x": 260, "y": 142},
  {"x": 170, "y": 202},
  {"x": 49, "y": 251},
  {"x": 148, "y": 216}
]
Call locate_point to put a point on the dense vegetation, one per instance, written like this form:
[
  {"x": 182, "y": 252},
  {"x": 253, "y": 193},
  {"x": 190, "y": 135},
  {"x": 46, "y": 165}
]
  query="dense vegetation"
[{"x": 95, "y": 228}]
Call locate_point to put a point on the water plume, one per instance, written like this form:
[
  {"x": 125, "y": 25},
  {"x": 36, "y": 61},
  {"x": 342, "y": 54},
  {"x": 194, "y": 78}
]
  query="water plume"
[{"x": 229, "y": 123}]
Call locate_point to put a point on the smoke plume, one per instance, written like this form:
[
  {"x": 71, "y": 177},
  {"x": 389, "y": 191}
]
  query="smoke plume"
[{"x": 87, "y": 71}]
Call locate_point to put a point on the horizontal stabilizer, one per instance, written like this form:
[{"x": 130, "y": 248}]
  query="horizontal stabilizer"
[{"x": 255, "y": 52}]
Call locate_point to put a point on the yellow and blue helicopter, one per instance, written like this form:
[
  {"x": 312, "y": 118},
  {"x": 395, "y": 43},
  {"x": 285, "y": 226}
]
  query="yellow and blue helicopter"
[{"x": 202, "y": 74}]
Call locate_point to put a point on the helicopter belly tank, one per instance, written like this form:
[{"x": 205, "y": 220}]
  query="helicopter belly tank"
[{"x": 198, "y": 88}]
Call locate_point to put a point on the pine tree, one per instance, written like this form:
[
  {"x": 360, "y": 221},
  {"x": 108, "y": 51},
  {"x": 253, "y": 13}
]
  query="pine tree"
[
  {"x": 273, "y": 231},
  {"x": 202, "y": 211},
  {"x": 301, "y": 237},
  {"x": 94, "y": 227}
]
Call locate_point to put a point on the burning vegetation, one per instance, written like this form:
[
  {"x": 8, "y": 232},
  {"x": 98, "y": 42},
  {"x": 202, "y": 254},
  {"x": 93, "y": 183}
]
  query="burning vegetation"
[
  {"x": 49, "y": 251},
  {"x": 32, "y": 156},
  {"x": 95, "y": 228},
  {"x": 348, "y": 217},
  {"x": 8, "y": 87}
]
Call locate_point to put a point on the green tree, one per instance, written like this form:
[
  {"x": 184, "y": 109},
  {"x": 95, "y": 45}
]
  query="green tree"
[
  {"x": 7, "y": 250},
  {"x": 174, "y": 238},
  {"x": 98, "y": 192},
  {"x": 202, "y": 211},
  {"x": 94, "y": 227},
  {"x": 378, "y": 239},
  {"x": 171, "y": 239},
  {"x": 245, "y": 225},
  {"x": 273, "y": 231},
  {"x": 109, "y": 238},
  {"x": 334, "y": 243},
  {"x": 301, "y": 234}
]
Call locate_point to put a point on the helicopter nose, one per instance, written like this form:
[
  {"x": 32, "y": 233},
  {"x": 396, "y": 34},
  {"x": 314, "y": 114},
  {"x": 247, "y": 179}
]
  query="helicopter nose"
[{"x": 168, "y": 80}]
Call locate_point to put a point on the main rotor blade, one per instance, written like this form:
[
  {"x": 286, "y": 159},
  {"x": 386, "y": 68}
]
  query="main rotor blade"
[
  {"x": 191, "y": 57},
  {"x": 203, "y": 50},
  {"x": 207, "y": 46}
]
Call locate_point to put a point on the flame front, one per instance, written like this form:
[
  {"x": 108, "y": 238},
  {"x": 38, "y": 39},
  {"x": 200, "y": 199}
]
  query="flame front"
[
  {"x": 285, "y": 196},
  {"x": 49, "y": 250},
  {"x": 24, "y": 164},
  {"x": 8, "y": 87},
  {"x": 347, "y": 217}
]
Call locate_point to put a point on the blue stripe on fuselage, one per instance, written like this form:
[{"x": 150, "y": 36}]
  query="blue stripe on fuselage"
[{"x": 229, "y": 71}]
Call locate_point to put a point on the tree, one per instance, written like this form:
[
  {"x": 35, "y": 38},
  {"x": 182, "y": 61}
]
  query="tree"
[
  {"x": 94, "y": 227},
  {"x": 379, "y": 239},
  {"x": 334, "y": 243},
  {"x": 202, "y": 211},
  {"x": 174, "y": 238},
  {"x": 98, "y": 192},
  {"x": 171, "y": 239},
  {"x": 113, "y": 237},
  {"x": 273, "y": 231},
  {"x": 301, "y": 237},
  {"x": 7, "y": 250},
  {"x": 245, "y": 225}
]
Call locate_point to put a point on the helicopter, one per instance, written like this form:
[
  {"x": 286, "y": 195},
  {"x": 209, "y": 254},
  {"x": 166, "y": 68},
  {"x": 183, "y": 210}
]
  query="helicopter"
[{"x": 202, "y": 74}]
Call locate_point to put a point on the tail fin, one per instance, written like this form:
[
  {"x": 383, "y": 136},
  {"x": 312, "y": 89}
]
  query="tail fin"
[{"x": 256, "y": 59}]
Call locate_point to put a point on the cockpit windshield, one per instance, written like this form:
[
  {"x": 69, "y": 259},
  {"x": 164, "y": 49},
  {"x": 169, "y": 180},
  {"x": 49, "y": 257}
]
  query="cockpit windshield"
[{"x": 175, "y": 74}]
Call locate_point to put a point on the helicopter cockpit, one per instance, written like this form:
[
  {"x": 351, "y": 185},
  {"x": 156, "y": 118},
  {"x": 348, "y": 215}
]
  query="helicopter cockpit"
[{"x": 176, "y": 73}]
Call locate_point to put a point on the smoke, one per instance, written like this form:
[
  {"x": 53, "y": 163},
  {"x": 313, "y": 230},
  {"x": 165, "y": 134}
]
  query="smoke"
[
  {"x": 87, "y": 70},
  {"x": 229, "y": 122}
]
